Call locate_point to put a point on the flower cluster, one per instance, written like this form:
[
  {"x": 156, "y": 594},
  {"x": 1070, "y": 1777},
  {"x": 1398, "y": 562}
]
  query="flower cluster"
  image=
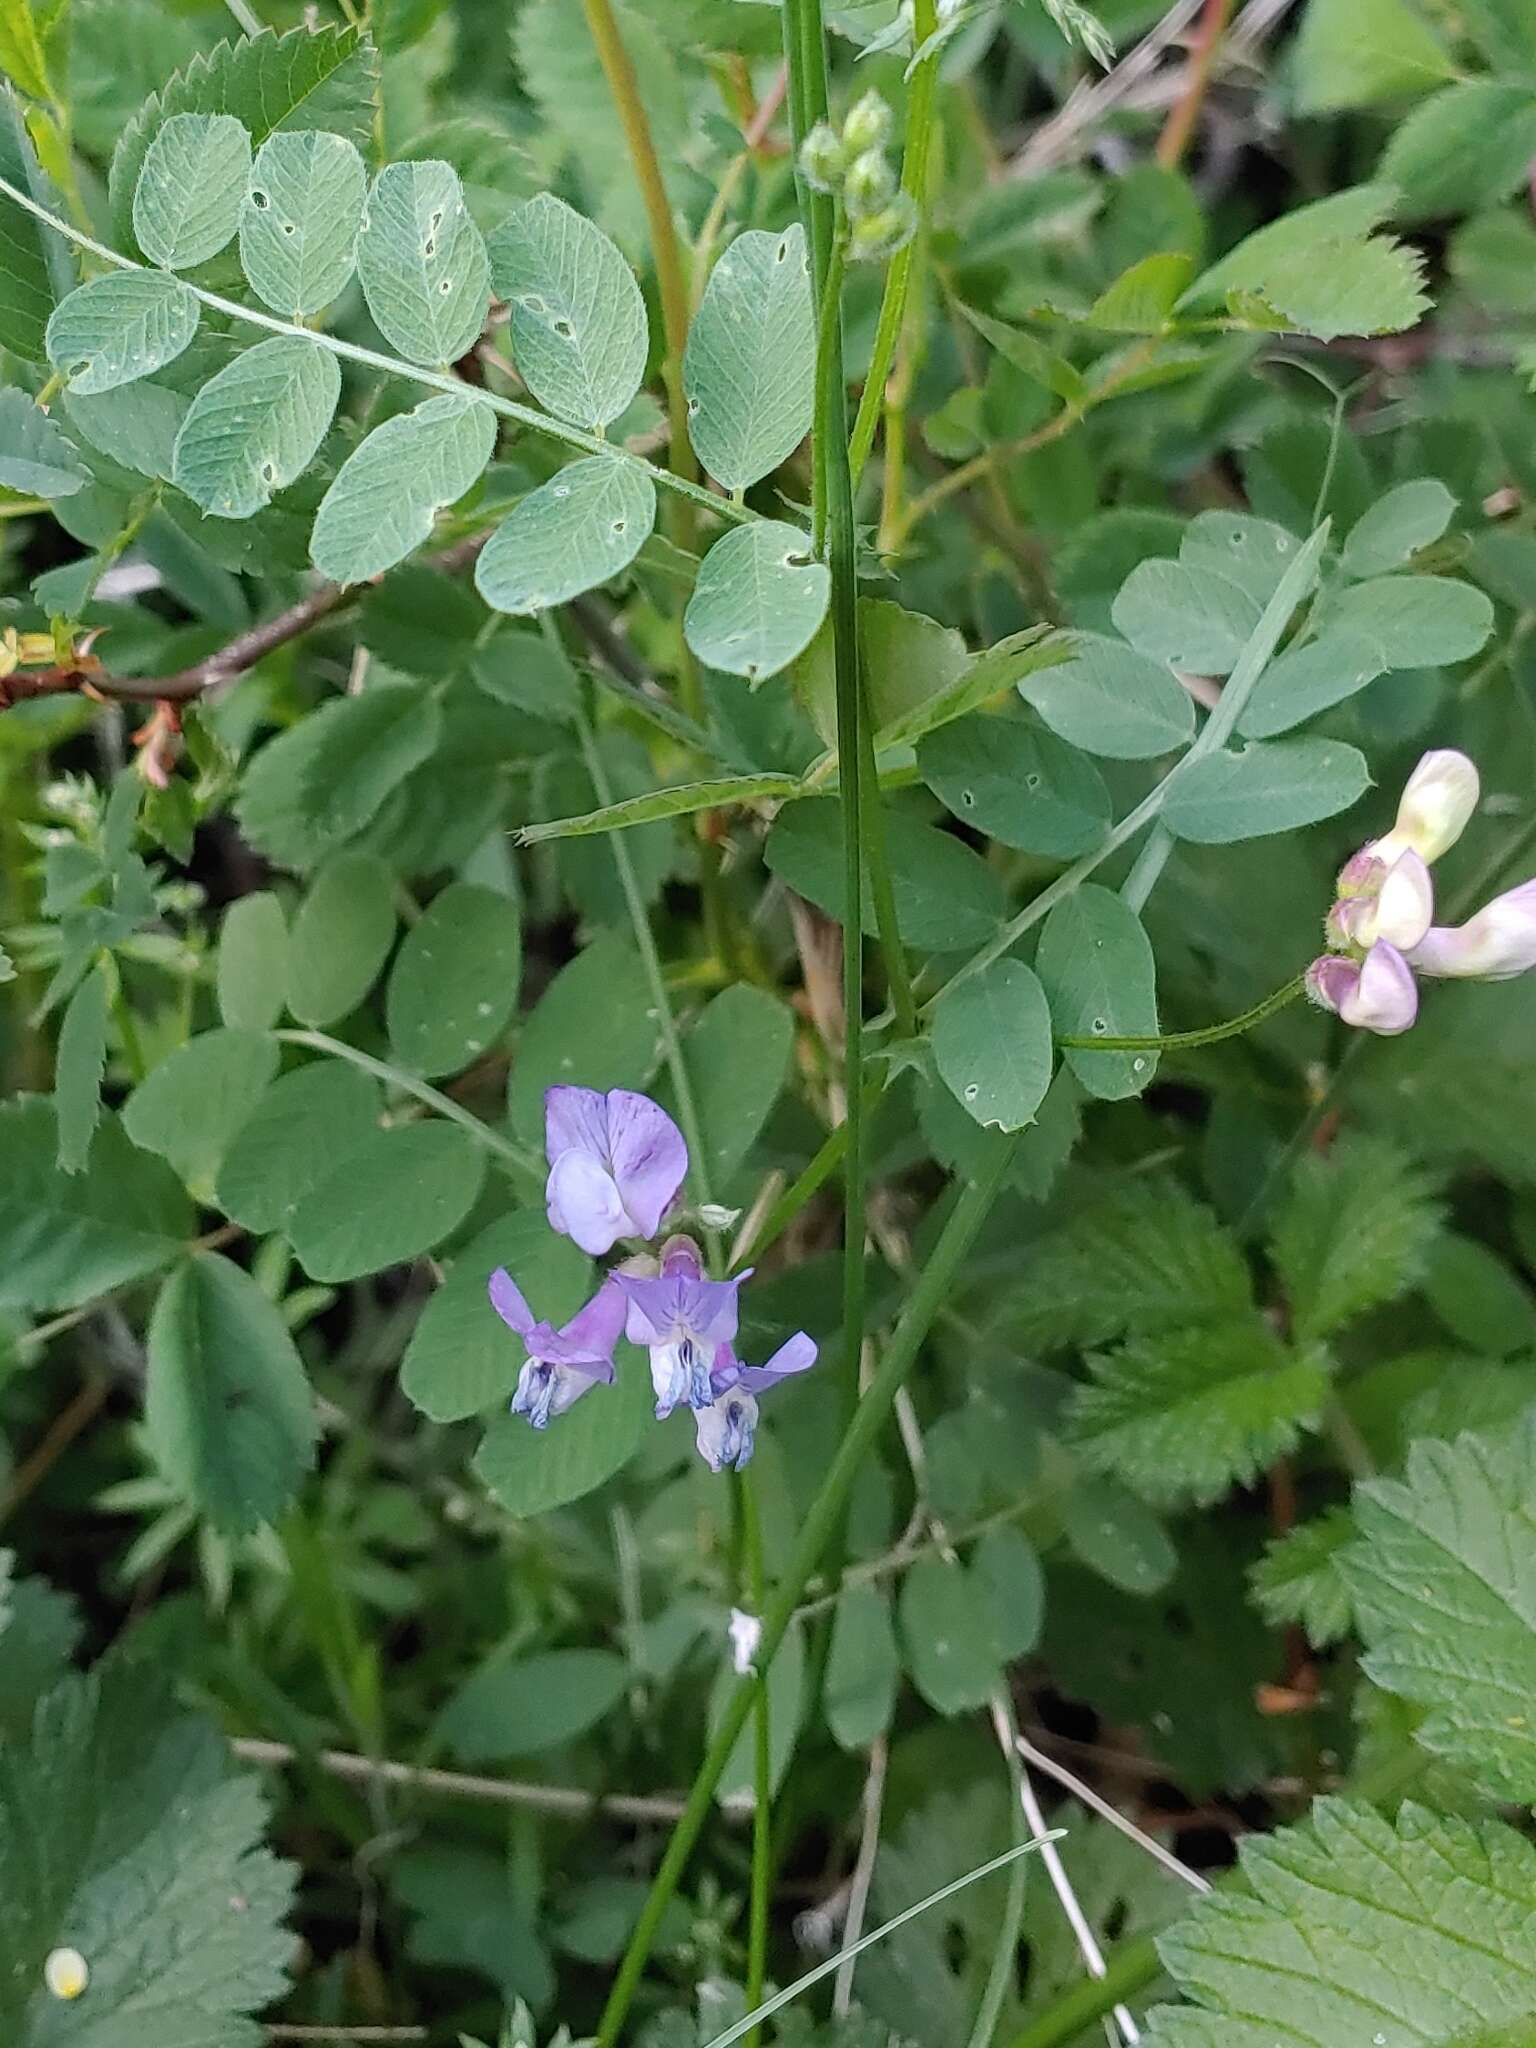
[
  {"x": 1381, "y": 929},
  {"x": 853, "y": 165},
  {"x": 616, "y": 1165}
]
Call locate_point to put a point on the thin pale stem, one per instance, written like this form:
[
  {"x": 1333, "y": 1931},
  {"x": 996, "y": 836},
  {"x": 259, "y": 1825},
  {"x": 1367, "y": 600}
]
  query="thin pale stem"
[{"x": 762, "y": 1770}]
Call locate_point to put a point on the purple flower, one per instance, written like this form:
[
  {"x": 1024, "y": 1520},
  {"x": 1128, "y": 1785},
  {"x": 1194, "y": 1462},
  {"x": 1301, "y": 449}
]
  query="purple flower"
[
  {"x": 562, "y": 1364},
  {"x": 1495, "y": 945},
  {"x": 1395, "y": 903},
  {"x": 1376, "y": 994},
  {"x": 616, "y": 1162},
  {"x": 727, "y": 1428},
  {"x": 682, "y": 1319}
]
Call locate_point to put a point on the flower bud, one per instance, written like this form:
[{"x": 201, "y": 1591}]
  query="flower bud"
[
  {"x": 1377, "y": 994},
  {"x": 879, "y": 235},
  {"x": 822, "y": 159},
  {"x": 1400, "y": 908},
  {"x": 1495, "y": 945},
  {"x": 868, "y": 125},
  {"x": 1440, "y": 796},
  {"x": 870, "y": 185}
]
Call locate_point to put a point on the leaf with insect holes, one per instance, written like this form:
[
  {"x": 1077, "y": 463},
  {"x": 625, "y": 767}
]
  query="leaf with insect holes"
[
  {"x": 579, "y": 330},
  {"x": 35, "y": 457},
  {"x": 455, "y": 980},
  {"x": 299, "y": 224},
  {"x": 422, "y": 263},
  {"x": 190, "y": 191},
  {"x": 1095, "y": 961},
  {"x": 1108, "y": 699},
  {"x": 1266, "y": 786},
  {"x": 760, "y": 597},
  {"x": 254, "y": 428},
  {"x": 389, "y": 491},
  {"x": 581, "y": 528},
  {"x": 120, "y": 327},
  {"x": 228, "y": 1413},
  {"x": 749, "y": 369},
  {"x": 1021, "y": 786},
  {"x": 992, "y": 1044}
]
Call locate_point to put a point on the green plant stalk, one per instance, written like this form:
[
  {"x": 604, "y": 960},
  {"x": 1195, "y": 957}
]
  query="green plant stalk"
[
  {"x": 1130, "y": 1969},
  {"x": 916, "y": 158},
  {"x": 822, "y": 1521},
  {"x": 762, "y": 1771},
  {"x": 1211, "y": 1034}
]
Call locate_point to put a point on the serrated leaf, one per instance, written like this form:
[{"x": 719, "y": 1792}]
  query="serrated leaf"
[
  {"x": 306, "y": 78},
  {"x": 21, "y": 49},
  {"x": 422, "y": 263},
  {"x": 65, "y": 1238},
  {"x": 579, "y": 330},
  {"x": 1311, "y": 678},
  {"x": 389, "y": 491},
  {"x": 397, "y": 1193},
  {"x": 1355, "y": 1231},
  {"x": 750, "y": 366},
  {"x": 342, "y": 934},
  {"x": 1017, "y": 784},
  {"x": 255, "y": 427},
  {"x": 158, "y": 1878},
  {"x": 1095, "y": 963},
  {"x": 1442, "y": 1583},
  {"x": 27, "y": 290},
  {"x": 82, "y": 1061},
  {"x": 253, "y": 962},
  {"x": 1148, "y": 1259},
  {"x": 228, "y": 1413},
  {"x": 759, "y": 600},
  {"x": 455, "y": 980},
  {"x": 119, "y": 326},
  {"x": 863, "y": 1670},
  {"x": 462, "y": 1360},
  {"x": 595, "y": 1026},
  {"x": 584, "y": 526},
  {"x": 1108, "y": 699},
  {"x": 1190, "y": 1414},
  {"x": 1416, "y": 621},
  {"x": 1408, "y": 518},
  {"x": 35, "y": 458},
  {"x": 300, "y": 220},
  {"x": 992, "y": 1044},
  {"x": 530, "y": 1471},
  {"x": 1186, "y": 615},
  {"x": 186, "y": 205},
  {"x": 1347, "y": 215},
  {"x": 1298, "y": 1578},
  {"x": 947, "y": 898},
  {"x": 946, "y": 1635},
  {"x": 1355, "y": 1925},
  {"x": 1462, "y": 149},
  {"x": 1344, "y": 287},
  {"x": 1358, "y": 53},
  {"x": 1266, "y": 786},
  {"x": 305, "y": 1124},
  {"x": 191, "y": 1105}
]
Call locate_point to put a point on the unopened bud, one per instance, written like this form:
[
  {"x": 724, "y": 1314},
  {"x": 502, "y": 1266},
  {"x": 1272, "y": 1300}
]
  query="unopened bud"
[
  {"x": 879, "y": 235},
  {"x": 870, "y": 185},
  {"x": 868, "y": 125},
  {"x": 1377, "y": 994},
  {"x": 1400, "y": 908},
  {"x": 822, "y": 159},
  {"x": 715, "y": 1216}
]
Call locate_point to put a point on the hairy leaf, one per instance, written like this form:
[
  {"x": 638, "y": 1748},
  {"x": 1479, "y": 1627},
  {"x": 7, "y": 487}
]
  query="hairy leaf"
[
  {"x": 255, "y": 427},
  {"x": 1355, "y": 1230},
  {"x": 1299, "y": 1578},
  {"x": 389, "y": 491},
  {"x": 35, "y": 458},
  {"x": 579, "y": 329},
  {"x": 300, "y": 220},
  {"x": 82, "y": 1060},
  {"x": 190, "y": 191},
  {"x": 749, "y": 370},
  {"x": 119, "y": 327},
  {"x": 422, "y": 263}
]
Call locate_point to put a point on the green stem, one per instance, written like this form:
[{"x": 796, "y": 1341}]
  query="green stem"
[
  {"x": 1130, "y": 1969},
  {"x": 829, "y": 378},
  {"x": 435, "y": 380},
  {"x": 822, "y": 1521},
  {"x": 1211, "y": 1034},
  {"x": 762, "y": 1771},
  {"x": 915, "y": 161}
]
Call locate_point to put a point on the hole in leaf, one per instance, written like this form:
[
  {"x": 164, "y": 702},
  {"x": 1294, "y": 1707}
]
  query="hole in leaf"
[
  {"x": 1031, "y": 782},
  {"x": 564, "y": 329},
  {"x": 797, "y": 561},
  {"x": 968, "y": 798},
  {"x": 78, "y": 369},
  {"x": 429, "y": 246},
  {"x": 972, "y": 1091},
  {"x": 289, "y": 228},
  {"x": 446, "y": 286},
  {"x": 781, "y": 252},
  {"x": 619, "y": 525},
  {"x": 693, "y": 406},
  {"x": 268, "y": 473},
  {"x": 1098, "y": 1027},
  {"x": 259, "y": 199}
]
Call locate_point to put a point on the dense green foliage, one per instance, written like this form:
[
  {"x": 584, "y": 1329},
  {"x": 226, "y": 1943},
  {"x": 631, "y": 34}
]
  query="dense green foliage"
[{"x": 859, "y": 570}]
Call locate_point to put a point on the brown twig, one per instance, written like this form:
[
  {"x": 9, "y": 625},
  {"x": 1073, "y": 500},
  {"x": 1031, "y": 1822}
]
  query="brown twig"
[
  {"x": 280, "y": 2032},
  {"x": 67, "y": 1425},
  {"x": 222, "y": 666},
  {"x": 1185, "y": 112}
]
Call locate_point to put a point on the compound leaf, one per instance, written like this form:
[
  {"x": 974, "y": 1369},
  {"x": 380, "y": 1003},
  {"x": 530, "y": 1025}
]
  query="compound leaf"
[
  {"x": 584, "y": 526},
  {"x": 190, "y": 191},
  {"x": 389, "y": 491}
]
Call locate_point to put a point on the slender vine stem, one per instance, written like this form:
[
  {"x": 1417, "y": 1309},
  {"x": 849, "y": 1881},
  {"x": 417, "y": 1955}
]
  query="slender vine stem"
[
  {"x": 762, "y": 1773},
  {"x": 394, "y": 366},
  {"x": 916, "y": 158},
  {"x": 821, "y": 1523},
  {"x": 1211, "y": 1034}
]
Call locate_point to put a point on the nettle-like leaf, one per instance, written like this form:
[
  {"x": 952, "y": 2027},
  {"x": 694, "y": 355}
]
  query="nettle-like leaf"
[
  {"x": 1299, "y": 1578},
  {"x": 1188, "y": 1414},
  {"x": 153, "y": 1871},
  {"x": 1356, "y": 1230},
  {"x": 579, "y": 330},
  {"x": 760, "y": 597},
  {"x": 300, "y": 220},
  {"x": 1444, "y": 1584},
  {"x": 422, "y": 263},
  {"x": 255, "y": 428},
  {"x": 228, "y": 1414},
  {"x": 750, "y": 367},
  {"x": 36, "y": 458},
  {"x": 1357, "y": 1928},
  {"x": 584, "y": 526},
  {"x": 27, "y": 290},
  {"x": 389, "y": 491},
  {"x": 186, "y": 206},
  {"x": 1149, "y": 1259},
  {"x": 120, "y": 327}
]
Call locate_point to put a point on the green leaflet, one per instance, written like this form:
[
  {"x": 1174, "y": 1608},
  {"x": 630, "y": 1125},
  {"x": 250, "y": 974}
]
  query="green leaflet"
[
  {"x": 579, "y": 330},
  {"x": 305, "y": 1124},
  {"x": 253, "y": 962},
  {"x": 1269, "y": 786},
  {"x": 1017, "y": 784},
  {"x": 1095, "y": 962},
  {"x": 396, "y": 1194},
  {"x": 389, "y": 491},
  {"x": 584, "y": 526},
  {"x": 422, "y": 263},
  {"x": 120, "y": 327},
  {"x": 82, "y": 1059},
  {"x": 190, "y": 191},
  {"x": 992, "y": 1044},
  {"x": 255, "y": 427},
  {"x": 341, "y": 937},
  {"x": 190, "y": 1106},
  {"x": 749, "y": 369},
  {"x": 27, "y": 291},
  {"x": 455, "y": 980},
  {"x": 299, "y": 223},
  {"x": 758, "y": 601},
  {"x": 1109, "y": 699},
  {"x": 35, "y": 458}
]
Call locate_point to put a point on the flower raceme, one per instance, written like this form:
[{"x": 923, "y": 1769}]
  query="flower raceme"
[
  {"x": 1381, "y": 930},
  {"x": 617, "y": 1163}
]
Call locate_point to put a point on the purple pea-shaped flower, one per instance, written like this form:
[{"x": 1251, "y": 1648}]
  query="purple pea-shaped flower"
[
  {"x": 726, "y": 1428},
  {"x": 616, "y": 1162},
  {"x": 682, "y": 1319},
  {"x": 562, "y": 1364}
]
